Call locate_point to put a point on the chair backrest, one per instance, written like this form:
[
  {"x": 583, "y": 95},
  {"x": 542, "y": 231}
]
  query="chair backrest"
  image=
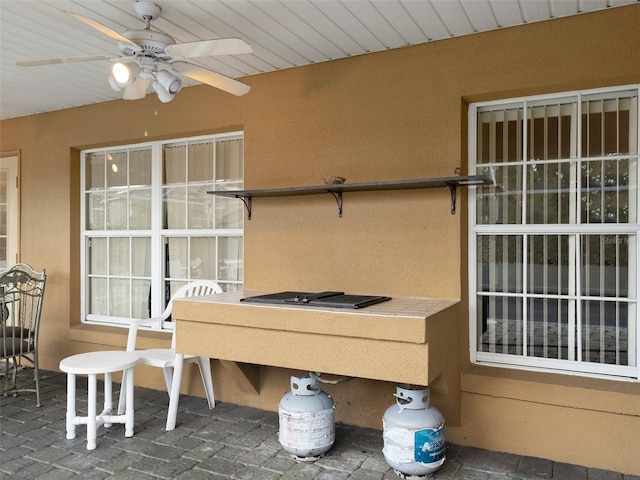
[
  {"x": 192, "y": 289},
  {"x": 21, "y": 295},
  {"x": 195, "y": 289}
]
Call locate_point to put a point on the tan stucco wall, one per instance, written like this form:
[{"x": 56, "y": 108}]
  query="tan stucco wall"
[{"x": 392, "y": 115}]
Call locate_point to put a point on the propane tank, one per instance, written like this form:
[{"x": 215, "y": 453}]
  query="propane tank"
[
  {"x": 413, "y": 434},
  {"x": 307, "y": 427}
]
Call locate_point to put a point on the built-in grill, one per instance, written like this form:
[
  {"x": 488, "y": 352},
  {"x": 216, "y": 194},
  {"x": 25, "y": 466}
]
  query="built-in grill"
[{"x": 318, "y": 299}]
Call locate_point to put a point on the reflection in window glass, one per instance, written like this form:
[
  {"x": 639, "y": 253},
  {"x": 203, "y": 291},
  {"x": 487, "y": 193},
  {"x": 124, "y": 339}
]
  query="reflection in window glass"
[
  {"x": 606, "y": 267},
  {"x": 119, "y": 256},
  {"x": 548, "y": 264},
  {"x": 605, "y": 331},
  {"x": 95, "y": 171},
  {"x": 500, "y": 263},
  {"x": 230, "y": 261},
  {"x": 229, "y": 212},
  {"x": 501, "y": 205},
  {"x": 140, "y": 167},
  {"x": 140, "y": 209},
  {"x": 549, "y": 332},
  {"x": 117, "y": 169},
  {"x": 141, "y": 257},
  {"x": 177, "y": 255},
  {"x": 550, "y": 195},
  {"x": 141, "y": 298},
  {"x": 98, "y": 256},
  {"x": 202, "y": 258},
  {"x": 174, "y": 164},
  {"x": 97, "y": 296},
  {"x": 200, "y": 207},
  {"x": 119, "y": 305},
  {"x": 500, "y": 321},
  {"x": 609, "y": 193},
  {"x": 229, "y": 160},
  {"x": 200, "y": 162},
  {"x": 175, "y": 208},
  {"x": 117, "y": 210}
]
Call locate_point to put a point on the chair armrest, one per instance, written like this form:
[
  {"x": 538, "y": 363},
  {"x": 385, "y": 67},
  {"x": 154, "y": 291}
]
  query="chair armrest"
[
  {"x": 144, "y": 321},
  {"x": 134, "y": 324}
]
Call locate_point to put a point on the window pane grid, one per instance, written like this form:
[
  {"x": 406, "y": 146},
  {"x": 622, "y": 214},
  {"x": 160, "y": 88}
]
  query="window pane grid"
[
  {"x": 556, "y": 271},
  {"x": 118, "y": 268},
  {"x": 150, "y": 227}
]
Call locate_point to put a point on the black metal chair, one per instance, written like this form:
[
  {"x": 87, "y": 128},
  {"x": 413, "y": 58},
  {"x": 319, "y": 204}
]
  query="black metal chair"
[{"x": 21, "y": 294}]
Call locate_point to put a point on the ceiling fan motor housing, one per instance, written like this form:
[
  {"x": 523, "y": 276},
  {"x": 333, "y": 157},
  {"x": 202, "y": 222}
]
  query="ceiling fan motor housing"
[{"x": 153, "y": 43}]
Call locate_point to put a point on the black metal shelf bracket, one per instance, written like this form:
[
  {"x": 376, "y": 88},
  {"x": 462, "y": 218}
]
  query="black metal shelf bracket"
[
  {"x": 452, "y": 189},
  {"x": 247, "y": 204},
  {"x": 338, "y": 197}
]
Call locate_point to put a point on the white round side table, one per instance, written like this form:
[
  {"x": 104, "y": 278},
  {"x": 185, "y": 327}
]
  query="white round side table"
[{"x": 93, "y": 364}]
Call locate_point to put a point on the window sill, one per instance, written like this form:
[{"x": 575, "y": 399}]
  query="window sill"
[
  {"x": 107, "y": 336},
  {"x": 620, "y": 397}
]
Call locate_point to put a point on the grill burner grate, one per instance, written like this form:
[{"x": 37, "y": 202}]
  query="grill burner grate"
[{"x": 318, "y": 299}]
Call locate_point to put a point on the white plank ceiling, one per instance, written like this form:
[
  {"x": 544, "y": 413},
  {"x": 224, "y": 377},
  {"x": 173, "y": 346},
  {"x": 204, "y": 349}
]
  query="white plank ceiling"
[{"x": 283, "y": 34}]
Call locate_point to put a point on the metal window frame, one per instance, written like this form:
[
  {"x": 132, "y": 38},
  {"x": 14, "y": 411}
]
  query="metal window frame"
[{"x": 577, "y": 229}]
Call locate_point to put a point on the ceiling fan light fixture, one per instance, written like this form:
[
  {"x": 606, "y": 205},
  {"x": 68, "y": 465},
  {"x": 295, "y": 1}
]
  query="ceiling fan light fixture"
[
  {"x": 136, "y": 90},
  {"x": 163, "y": 95},
  {"x": 169, "y": 82},
  {"x": 113, "y": 83},
  {"x": 125, "y": 73}
]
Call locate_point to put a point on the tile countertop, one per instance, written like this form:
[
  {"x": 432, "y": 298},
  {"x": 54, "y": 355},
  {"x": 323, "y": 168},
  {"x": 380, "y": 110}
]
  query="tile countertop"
[
  {"x": 422, "y": 307},
  {"x": 399, "y": 319}
]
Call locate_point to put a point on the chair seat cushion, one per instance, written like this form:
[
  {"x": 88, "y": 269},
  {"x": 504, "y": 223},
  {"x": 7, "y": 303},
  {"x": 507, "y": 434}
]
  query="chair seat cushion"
[
  {"x": 11, "y": 345},
  {"x": 15, "y": 332}
]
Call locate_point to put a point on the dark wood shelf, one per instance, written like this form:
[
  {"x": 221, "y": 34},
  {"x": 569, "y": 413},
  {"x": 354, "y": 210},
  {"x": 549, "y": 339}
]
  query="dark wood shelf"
[{"x": 336, "y": 190}]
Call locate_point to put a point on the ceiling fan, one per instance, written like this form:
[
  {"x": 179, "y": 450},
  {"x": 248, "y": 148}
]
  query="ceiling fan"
[{"x": 152, "y": 59}]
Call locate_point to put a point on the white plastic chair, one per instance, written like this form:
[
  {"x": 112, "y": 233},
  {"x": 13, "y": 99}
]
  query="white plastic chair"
[{"x": 165, "y": 358}]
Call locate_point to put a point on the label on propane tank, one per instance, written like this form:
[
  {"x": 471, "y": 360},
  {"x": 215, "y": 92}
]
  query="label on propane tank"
[
  {"x": 429, "y": 445},
  {"x": 307, "y": 430}
]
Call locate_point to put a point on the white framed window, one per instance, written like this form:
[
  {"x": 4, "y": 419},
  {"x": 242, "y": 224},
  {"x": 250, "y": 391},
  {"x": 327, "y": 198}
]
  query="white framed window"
[
  {"x": 553, "y": 263},
  {"x": 149, "y": 226}
]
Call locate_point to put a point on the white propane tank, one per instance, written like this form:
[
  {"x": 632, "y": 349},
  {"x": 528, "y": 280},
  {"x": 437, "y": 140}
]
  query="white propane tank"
[
  {"x": 413, "y": 434},
  {"x": 307, "y": 426}
]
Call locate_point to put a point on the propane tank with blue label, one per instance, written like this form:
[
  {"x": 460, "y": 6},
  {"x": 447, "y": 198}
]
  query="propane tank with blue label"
[
  {"x": 306, "y": 419},
  {"x": 413, "y": 434}
]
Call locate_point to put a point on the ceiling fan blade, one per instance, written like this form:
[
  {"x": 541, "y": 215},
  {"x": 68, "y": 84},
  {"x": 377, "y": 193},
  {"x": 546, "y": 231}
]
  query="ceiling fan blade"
[
  {"x": 106, "y": 31},
  {"x": 136, "y": 90},
  {"x": 54, "y": 61},
  {"x": 210, "y": 77},
  {"x": 206, "y": 48}
]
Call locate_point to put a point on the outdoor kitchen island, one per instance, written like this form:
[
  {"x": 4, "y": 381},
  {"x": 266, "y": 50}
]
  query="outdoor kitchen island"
[{"x": 403, "y": 340}]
